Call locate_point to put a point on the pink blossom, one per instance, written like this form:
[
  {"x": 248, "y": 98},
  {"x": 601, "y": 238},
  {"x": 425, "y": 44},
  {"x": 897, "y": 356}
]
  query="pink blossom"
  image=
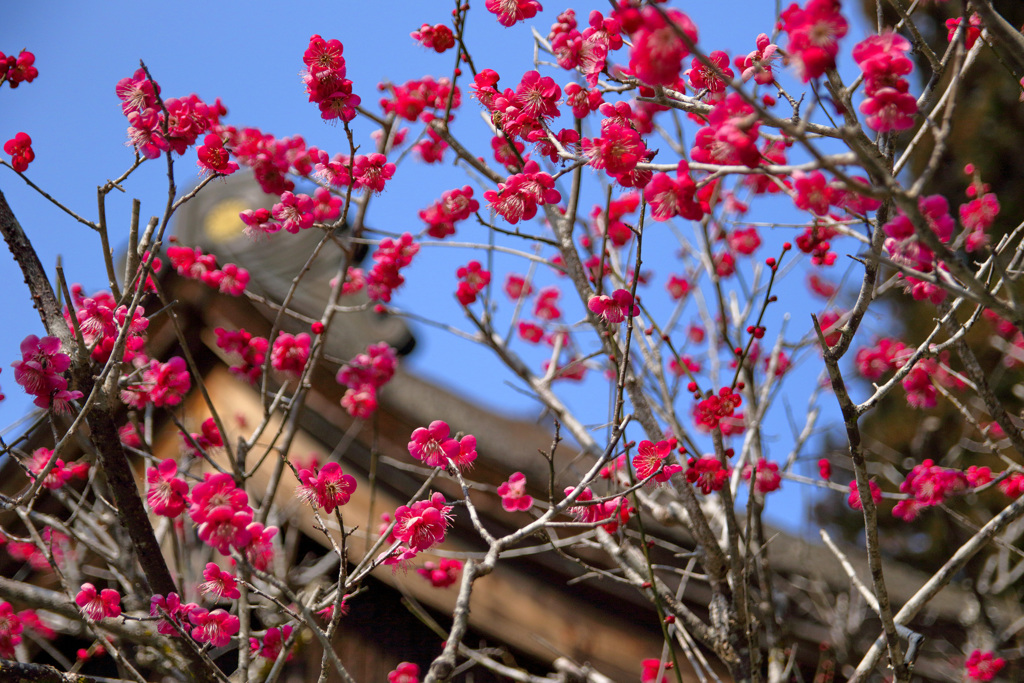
[
  {"x": 853, "y": 500},
  {"x": 814, "y": 33},
  {"x": 407, "y": 672},
  {"x": 176, "y": 612},
  {"x": 167, "y": 493},
  {"x": 98, "y": 604},
  {"x": 219, "y": 583},
  {"x": 766, "y": 476},
  {"x": 432, "y": 445},
  {"x": 441, "y": 575},
  {"x": 983, "y": 666},
  {"x": 520, "y": 195},
  {"x": 11, "y": 628},
  {"x": 273, "y": 640},
  {"x": 214, "y": 627},
  {"x": 889, "y": 110},
  {"x": 615, "y": 308},
  {"x": 290, "y": 352},
  {"x": 259, "y": 548},
  {"x": 510, "y": 12},
  {"x": 656, "y": 57},
  {"x": 439, "y": 37},
  {"x": 328, "y": 489},
  {"x": 294, "y": 211},
  {"x": 424, "y": 524},
  {"x": 472, "y": 280},
  {"x": 213, "y": 157},
  {"x": 513, "y": 493},
  {"x": 20, "y": 149},
  {"x": 677, "y": 287},
  {"x": 618, "y": 150},
  {"x": 650, "y": 458},
  {"x": 669, "y": 198}
]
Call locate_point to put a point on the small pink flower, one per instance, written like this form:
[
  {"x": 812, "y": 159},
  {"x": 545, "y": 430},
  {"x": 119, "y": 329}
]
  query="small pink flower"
[
  {"x": 853, "y": 500},
  {"x": 766, "y": 476},
  {"x": 513, "y": 493},
  {"x": 167, "y": 493},
  {"x": 214, "y": 627},
  {"x": 329, "y": 489},
  {"x": 432, "y": 445},
  {"x": 615, "y": 308},
  {"x": 650, "y": 457},
  {"x": 424, "y": 524},
  {"x": 273, "y": 640},
  {"x": 20, "y": 149},
  {"x": 441, "y": 575},
  {"x": 98, "y": 604},
  {"x": 983, "y": 666},
  {"x": 176, "y": 612},
  {"x": 407, "y": 672},
  {"x": 219, "y": 583}
]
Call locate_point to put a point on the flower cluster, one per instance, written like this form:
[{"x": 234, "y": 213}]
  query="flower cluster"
[
  {"x": 151, "y": 130},
  {"x": 438, "y": 37},
  {"x": 391, "y": 256},
  {"x": 195, "y": 265},
  {"x": 100, "y": 319},
  {"x": 328, "y": 489},
  {"x": 730, "y": 136},
  {"x": 814, "y": 32},
  {"x": 197, "y": 443},
  {"x": 454, "y": 205},
  {"x": 40, "y": 372},
  {"x": 290, "y": 353},
  {"x": 586, "y": 51},
  {"x": 442, "y": 574},
  {"x": 273, "y": 640},
  {"x": 411, "y": 99},
  {"x": 853, "y": 499},
  {"x": 766, "y": 476},
  {"x": 906, "y": 250},
  {"x": 707, "y": 474},
  {"x": 364, "y": 375},
  {"x": 251, "y": 349},
  {"x": 670, "y": 198},
  {"x": 325, "y": 80},
  {"x": 518, "y": 197},
  {"x": 657, "y": 54},
  {"x": 433, "y": 446},
  {"x": 929, "y": 485},
  {"x": 758, "y": 64},
  {"x": 17, "y": 70},
  {"x": 709, "y": 412},
  {"x": 20, "y": 149},
  {"x": 419, "y": 527},
  {"x": 472, "y": 280},
  {"x": 161, "y": 384},
  {"x": 883, "y": 60}
]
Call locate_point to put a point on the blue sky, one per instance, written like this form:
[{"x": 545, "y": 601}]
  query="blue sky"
[{"x": 249, "y": 54}]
